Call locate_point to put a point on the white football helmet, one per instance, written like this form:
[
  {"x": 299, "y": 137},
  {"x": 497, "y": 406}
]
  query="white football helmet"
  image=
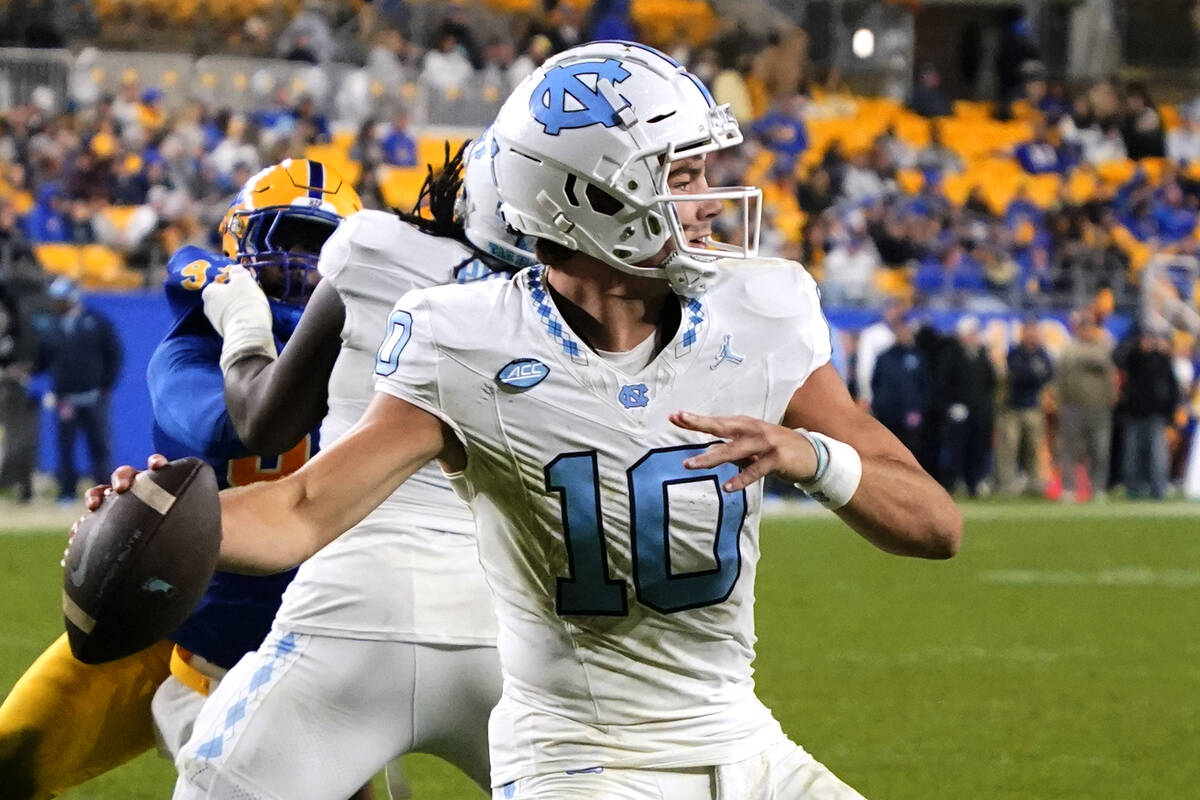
[
  {"x": 479, "y": 208},
  {"x": 585, "y": 145}
]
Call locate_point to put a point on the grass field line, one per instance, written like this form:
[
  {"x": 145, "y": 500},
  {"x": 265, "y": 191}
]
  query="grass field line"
[{"x": 1130, "y": 575}]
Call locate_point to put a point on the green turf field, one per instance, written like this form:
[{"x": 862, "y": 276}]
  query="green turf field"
[{"x": 1058, "y": 656}]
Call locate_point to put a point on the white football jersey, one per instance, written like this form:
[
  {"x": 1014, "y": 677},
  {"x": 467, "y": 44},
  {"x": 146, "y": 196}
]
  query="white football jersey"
[
  {"x": 624, "y": 582},
  {"x": 410, "y": 570}
]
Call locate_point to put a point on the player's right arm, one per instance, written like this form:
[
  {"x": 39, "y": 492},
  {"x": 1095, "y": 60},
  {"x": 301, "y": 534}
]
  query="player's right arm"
[{"x": 272, "y": 526}]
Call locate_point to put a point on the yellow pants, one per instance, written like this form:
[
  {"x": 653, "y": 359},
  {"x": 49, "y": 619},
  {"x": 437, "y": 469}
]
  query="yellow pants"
[{"x": 65, "y": 722}]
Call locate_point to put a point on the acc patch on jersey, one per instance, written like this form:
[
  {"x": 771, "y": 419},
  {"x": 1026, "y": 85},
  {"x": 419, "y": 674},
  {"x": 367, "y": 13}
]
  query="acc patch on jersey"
[{"x": 522, "y": 373}]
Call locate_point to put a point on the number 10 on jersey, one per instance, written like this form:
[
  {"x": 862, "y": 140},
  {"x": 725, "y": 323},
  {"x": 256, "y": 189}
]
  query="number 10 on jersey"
[{"x": 590, "y": 588}]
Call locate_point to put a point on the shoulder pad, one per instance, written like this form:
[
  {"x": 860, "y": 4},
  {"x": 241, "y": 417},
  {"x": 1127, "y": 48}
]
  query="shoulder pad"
[{"x": 189, "y": 270}]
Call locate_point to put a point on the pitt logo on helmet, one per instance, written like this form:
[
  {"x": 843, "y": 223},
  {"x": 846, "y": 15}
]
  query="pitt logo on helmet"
[
  {"x": 522, "y": 373},
  {"x": 565, "y": 100}
]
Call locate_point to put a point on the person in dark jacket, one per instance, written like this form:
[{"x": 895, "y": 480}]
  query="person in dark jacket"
[
  {"x": 1150, "y": 397},
  {"x": 900, "y": 388},
  {"x": 965, "y": 381},
  {"x": 82, "y": 352},
  {"x": 1021, "y": 425}
]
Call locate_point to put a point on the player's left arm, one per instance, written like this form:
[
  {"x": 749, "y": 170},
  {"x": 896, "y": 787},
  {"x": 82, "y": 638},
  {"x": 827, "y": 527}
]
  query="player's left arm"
[{"x": 896, "y": 505}]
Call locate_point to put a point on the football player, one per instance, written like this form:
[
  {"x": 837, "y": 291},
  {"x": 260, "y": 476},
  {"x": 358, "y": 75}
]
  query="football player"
[
  {"x": 271, "y": 237},
  {"x": 619, "y": 535},
  {"x": 387, "y": 638},
  {"x": 65, "y": 722}
]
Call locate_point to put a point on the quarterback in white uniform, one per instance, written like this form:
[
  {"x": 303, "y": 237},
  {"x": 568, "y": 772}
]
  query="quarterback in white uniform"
[
  {"x": 618, "y": 535},
  {"x": 385, "y": 641}
]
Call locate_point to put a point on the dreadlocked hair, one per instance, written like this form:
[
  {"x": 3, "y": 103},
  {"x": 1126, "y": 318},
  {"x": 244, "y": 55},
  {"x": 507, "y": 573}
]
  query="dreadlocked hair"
[{"x": 439, "y": 192}]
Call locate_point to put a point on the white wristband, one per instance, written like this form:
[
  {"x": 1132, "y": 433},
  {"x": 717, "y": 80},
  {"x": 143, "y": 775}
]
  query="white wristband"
[
  {"x": 240, "y": 313},
  {"x": 839, "y": 471}
]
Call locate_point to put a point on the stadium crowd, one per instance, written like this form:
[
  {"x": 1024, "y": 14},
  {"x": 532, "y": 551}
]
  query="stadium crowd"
[{"x": 1053, "y": 198}]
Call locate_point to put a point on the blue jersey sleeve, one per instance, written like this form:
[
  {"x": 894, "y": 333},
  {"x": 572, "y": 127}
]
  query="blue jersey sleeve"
[
  {"x": 189, "y": 270},
  {"x": 187, "y": 393}
]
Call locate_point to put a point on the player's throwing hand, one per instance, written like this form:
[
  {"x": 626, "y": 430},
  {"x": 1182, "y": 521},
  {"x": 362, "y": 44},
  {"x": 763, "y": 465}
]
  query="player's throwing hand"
[{"x": 758, "y": 447}]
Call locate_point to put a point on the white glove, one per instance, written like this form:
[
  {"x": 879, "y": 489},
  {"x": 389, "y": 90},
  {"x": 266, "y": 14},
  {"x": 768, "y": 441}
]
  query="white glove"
[{"x": 241, "y": 315}]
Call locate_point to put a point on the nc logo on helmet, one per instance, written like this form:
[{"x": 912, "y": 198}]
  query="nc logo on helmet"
[{"x": 565, "y": 100}]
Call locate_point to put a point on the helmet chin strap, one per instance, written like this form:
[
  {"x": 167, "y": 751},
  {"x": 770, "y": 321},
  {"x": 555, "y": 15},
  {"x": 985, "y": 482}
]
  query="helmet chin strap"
[{"x": 688, "y": 275}]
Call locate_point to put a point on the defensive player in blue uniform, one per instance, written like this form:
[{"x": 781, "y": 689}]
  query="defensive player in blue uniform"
[
  {"x": 275, "y": 228},
  {"x": 65, "y": 722}
]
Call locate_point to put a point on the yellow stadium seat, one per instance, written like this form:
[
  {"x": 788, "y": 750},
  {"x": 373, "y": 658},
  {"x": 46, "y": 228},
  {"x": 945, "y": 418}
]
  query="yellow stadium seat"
[
  {"x": 1081, "y": 186},
  {"x": 970, "y": 109},
  {"x": 1115, "y": 173},
  {"x": 1044, "y": 190},
  {"x": 400, "y": 186},
  {"x": 1154, "y": 168},
  {"x": 60, "y": 259},
  {"x": 514, "y": 6},
  {"x": 895, "y": 283},
  {"x": 957, "y": 187},
  {"x": 910, "y": 180},
  {"x": 1170, "y": 117},
  {"x": 431, "y": 150},
  {"x": 103, "y": 267}
]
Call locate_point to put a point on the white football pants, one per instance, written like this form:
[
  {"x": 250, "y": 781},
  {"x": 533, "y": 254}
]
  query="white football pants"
[
  {"x": 315, "y": 717},
  {"x": 784, "y": 772}
]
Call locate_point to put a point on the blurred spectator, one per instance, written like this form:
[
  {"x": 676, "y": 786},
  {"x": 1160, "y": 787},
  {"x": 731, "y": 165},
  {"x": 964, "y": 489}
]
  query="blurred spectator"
[
  {"x": 860, "y": 181},
  {"x": 308, "y": 37},
  {"x": 1105, "y": 147},
  {"x": 781, "y": 130},
  {"x": 936, "y": 157},
  {"x": 1014, "y": 56},
  {"x": 455, "y": 26},
  {"x": 1020, "y": 425},
  {"x": 1175, "y": 217},
  {"x": 951, "y": 278},
  {"x": 497, "y": 68},
  {"x": 50, "y": 219},
  {"x": 1142, "y": 126},
  {"x": 16, "y": 254},
  {"x": 447, "y": 67},
  {"x": 851, "y": 265},
  {"x": 780, "y": 67},
  {"x": 900, "y": 387},
  {"x": 964, "y": 379},
  {"x": 236, "y": 148},
  {"x": 18, "y": 409},
  {"x": 609, "y": 20},
  {"x": 929, "y": 99},
  {"x": 873, "y": 340},
  {"x": 388, "y": 57},
  {"x": 729, "y": 84},
  {"x": 399, "y": 148},
  {"x": 1041, "y": 155},
  {"x": 1150, "y": 395},
  {"x": 1086, "y": 388},
  {"x": 1183, "y": 143},
  {"x": 537, "y": 50},
  {"x": 82, "y": 352},
  {"x": 817, "y": 193}
]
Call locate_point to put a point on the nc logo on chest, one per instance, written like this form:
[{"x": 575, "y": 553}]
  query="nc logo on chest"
[{"x": 634, "y": 396}]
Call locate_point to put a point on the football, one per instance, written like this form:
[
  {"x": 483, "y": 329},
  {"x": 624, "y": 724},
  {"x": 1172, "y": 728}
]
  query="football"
[{"x": 138, "y": 565}]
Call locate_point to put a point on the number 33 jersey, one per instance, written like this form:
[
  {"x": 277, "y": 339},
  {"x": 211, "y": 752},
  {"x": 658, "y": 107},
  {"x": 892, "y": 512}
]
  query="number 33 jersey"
[{"x": 623, "y": 582}]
